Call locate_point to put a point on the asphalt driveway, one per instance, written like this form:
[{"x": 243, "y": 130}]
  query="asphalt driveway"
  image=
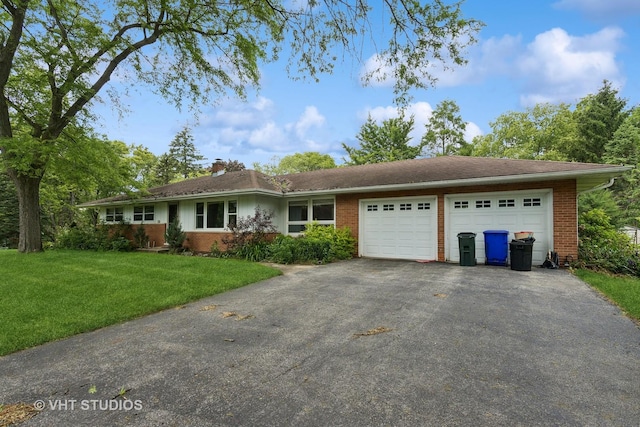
[{"x": 357, "y": 343}]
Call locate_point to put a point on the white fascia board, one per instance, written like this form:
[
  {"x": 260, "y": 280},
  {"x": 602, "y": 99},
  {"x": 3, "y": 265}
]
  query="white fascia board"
[
  {"x": 183, "y": 197},
  {"x": 508, "y": 179}
]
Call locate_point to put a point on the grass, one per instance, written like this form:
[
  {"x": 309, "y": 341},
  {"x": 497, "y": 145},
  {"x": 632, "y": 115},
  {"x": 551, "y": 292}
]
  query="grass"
[
  {"x": 622, "y": 290},
  {"x": 56, "y": 294}
]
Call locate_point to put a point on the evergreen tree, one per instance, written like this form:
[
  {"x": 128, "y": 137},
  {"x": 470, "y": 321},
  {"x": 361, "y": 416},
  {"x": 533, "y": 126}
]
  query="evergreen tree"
[
  {"x": 597, "y": 117},
  {"x": 386, "y": 143},
  {"x": 186, "y": 155}
]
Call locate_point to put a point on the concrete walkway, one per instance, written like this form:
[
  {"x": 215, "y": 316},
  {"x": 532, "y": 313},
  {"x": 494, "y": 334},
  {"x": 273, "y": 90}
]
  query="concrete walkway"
[{"x": 356, "y": 343}]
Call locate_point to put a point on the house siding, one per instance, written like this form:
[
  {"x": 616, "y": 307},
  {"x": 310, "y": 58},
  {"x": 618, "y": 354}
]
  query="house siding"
[{"x": 565, "y": 219}]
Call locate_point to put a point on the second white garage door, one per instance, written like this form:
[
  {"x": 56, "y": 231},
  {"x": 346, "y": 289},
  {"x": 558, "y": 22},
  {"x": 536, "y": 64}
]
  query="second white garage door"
[
  {"x": 404, "y": 228},
  {"x": 511, "y": 211}
]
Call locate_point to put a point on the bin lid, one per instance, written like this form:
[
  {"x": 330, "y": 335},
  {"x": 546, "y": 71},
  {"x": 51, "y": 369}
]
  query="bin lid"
[
  {"x": 467, "y": 234},
  {"x": 496, "y": 232}
]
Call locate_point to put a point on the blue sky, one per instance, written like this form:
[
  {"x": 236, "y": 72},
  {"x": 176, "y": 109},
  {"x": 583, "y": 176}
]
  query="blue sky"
[{"x": 528, "y": 52}]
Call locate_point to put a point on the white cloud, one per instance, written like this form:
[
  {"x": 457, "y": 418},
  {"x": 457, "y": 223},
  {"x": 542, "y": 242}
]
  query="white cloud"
[
  {"x": 234, "y": 127},
  {"x": 472, "y": 130},
  {"x": 558, "y": 67},
  {"x": 602, "y": 9},
  {"x": 311, "y": 118}
]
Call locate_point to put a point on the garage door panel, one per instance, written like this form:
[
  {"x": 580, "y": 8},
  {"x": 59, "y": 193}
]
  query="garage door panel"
[
  {"x": 406, "y": 228},
  {"x": 517, "y": 211}
]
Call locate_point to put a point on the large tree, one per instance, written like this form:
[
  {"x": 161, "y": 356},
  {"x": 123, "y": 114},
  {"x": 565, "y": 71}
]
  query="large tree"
[
  {"x": 298, "y": 162},
  {"x": 624, "y": 148},
  {"x": 541, "y": 132},
  {"x": 57, "y": 57},
  {"x": 383, "y": 143},
  {"x": 445, "y": 129},
  {"x": 187, "y": 157},
  {"x": 598, "y": 116}
]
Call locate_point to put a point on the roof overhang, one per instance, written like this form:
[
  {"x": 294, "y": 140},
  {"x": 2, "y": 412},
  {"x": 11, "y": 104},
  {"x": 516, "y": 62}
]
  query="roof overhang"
[
  {"x": 585, "y": 179},
  {"x": 177, "y": 198}
]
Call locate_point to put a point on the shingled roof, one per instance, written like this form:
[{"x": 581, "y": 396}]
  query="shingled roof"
[{"x": 424, "y": 173}]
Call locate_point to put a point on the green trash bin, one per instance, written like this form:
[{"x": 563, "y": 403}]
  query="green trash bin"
[{"x": 467, "y": 245}]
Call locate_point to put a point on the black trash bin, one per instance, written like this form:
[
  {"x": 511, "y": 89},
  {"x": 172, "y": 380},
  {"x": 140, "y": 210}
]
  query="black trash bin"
[
  {"x": 521, "y": 254},
  {"x": 467, "y": 245}
]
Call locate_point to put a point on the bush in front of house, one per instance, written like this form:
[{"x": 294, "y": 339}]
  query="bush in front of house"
[
  {"x": 603, "y": 247},
  {"x": 174, "y": 236},
  {"x": 319, "y": 244},
  {"x": 101, "y": 238}
]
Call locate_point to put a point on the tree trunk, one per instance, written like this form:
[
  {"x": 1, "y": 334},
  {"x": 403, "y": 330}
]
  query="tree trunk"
[{"x": 29, "y": 211}]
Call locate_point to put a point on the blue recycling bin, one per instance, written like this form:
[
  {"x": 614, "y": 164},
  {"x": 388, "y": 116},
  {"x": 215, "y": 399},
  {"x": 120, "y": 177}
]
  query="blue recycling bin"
[{"x": 496, "y": 247}]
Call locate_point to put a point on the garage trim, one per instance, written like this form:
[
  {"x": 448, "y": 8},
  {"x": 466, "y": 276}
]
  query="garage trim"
[
  {"x": 546, "y": 196},
  {"x": 431, "y": 200}
]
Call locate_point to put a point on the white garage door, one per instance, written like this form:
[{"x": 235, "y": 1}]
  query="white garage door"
[
  {"x": 404, "y": 228},
  {"x": 513, "y": 211}
]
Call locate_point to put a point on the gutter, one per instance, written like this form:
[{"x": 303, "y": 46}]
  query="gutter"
[
  {"x": 191, "y": 196},
  {"x": 599, "y": 187},
  {"x": 547, "y": 176}
]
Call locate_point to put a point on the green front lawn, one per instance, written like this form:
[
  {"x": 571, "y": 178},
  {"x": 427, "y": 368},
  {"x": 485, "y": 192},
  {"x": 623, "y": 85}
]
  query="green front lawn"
[
  {"x": 55, "y": 294},
  {"x": 624, "y": 291}
]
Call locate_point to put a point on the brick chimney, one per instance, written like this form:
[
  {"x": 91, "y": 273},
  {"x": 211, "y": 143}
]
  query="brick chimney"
[{"x": 217, "y": 168}]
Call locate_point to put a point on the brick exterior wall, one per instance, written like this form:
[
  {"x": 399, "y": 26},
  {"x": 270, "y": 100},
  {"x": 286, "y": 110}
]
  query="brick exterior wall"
[
  {"x": 155, "y": 232},
  {"x": 201, "y": 241},
  {"x": 565, "y": 216}
]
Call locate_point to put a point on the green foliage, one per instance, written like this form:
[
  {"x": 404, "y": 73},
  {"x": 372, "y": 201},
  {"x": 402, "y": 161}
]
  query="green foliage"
[
  {"x": 603, "y": 200},
  {"x": 58, "y": 57},
  {"x": 445, "y": 129},
  {"x": 603, "y": 247},
  {"x": 294, "y": 163},
  {"x": 598, "y": 118},
  {"x": 624, "y": 148},
  {"x": 539, "y": 133},
  {"x": 319, "y": 244},
  {"x": 185, "y": 154},
  {"x": 140, "y": 238},
  {"x": 101, "y": 238},
  {"x": 250, "y": 231},
  {"x": 386, "y": 143},
  {"x": 174, "y": 236}
]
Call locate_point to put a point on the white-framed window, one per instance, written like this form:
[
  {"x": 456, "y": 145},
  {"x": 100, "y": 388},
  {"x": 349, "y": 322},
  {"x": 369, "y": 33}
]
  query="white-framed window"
[
  {"x": 212, "y": 214},
  {"x": 461, "y": 205},
  {"x": 507, "y": 203},
  {"x": 483, "y": 204},
  {"x": 424, "y": 206},
  {"x": 530, "y": 202},
  {"x": 115, "y": 214},
  {"x": 143, "y": 213},
  {"x": 302, "y": 212}
]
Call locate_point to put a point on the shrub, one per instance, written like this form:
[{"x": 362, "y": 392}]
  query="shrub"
[
  {"x": 174, "y": 236},
  {"x": 100, "y": 238},
  {"x": 603, "y": 247},
  {"x": 318, "y": 244},
  {"x": 140, "y": 237},
  {"x": 250, "y": 235}
]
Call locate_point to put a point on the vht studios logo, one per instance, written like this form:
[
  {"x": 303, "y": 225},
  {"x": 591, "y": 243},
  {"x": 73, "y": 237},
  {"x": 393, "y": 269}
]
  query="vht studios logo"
[{"x": 88, "y": 405}]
